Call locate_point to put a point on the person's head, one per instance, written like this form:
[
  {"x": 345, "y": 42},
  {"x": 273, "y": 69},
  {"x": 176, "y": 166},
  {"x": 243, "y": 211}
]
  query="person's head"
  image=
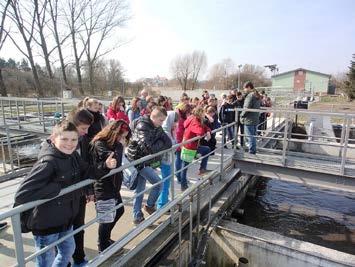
[
  {"x": 114, "y": 132},
  {"x": 223, "y": 96},
  {"x": 184, "y": 99},
  {"x": 212, "y": 102},
  {"x": 149, "y": 108},
  {"x": 144, "y": 93},
  {"x": 158, "y": 116},
  {"x": 205, "y": 94},
  {"x": 195, "y": 101},
  {"x": 161, "y": 101},
  {"x": 118, "y": 104},
  {"x": 248, "y": 87},
  {"x": 135, "y": 103},
  {"x": 232, "y": 92},
  {"x": 82, "y": 119},
  {"x": 230, "y": 99},
  {"x": 91, "y": 104},
  {"x": 239, "y": 95},
  {"x": 198, "y": 112},
  {"x": 65, "y": 137},
  {"x": 149, "y": 98},
  {"x": 210, "y": 110}
]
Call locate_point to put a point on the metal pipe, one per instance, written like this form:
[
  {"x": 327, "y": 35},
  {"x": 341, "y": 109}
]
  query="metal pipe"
[
  {"x": 198, "y": 207},
  {"x": 42, "y": 117},
  {"x": 210, "y": 184},
  {"x": 18, "y": 115},
  {"x": 3, "y": 111},
  {"x": 284, "y": 143},
  {"x": 16, "y": 226},
  {"x": 24, "y": 110},
  {"x": 222, "y": 155},
  {"x": 180, "y": 228},
  {"x": 345, "y": 147},
  {"x": 9, "y": 148},
  {"x": 190, "y": 227},
  {"x": 3, "y": 156}
]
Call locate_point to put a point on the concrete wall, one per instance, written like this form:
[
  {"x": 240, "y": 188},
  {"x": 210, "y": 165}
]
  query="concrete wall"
[{"x": 263, "y": 248}]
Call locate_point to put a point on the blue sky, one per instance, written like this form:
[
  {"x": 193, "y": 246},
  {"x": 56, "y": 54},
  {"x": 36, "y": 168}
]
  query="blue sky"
[{"x": 319, "y": 35}]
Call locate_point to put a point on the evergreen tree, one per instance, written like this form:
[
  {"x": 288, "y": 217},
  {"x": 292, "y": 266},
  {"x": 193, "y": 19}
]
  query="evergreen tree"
[{"x": 350, "y": 83}]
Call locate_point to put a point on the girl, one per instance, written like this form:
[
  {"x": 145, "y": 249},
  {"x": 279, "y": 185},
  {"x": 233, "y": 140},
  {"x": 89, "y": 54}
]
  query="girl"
[
  {"x": 133, "y": 111},
  {"x": 92, "y": 105},
  {"x": 117, "y": 109},
  {"x": 112, "y": 138}
]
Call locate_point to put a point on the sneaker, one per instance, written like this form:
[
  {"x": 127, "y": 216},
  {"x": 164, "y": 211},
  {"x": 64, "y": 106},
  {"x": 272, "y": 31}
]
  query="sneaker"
[
  {"x": 138, "y": 221},
  {"x": 3, "y": 225},
  {"x": 184, "y": 187},
  {"x": 82, "y": 264},
  {"x": 149, "y": 210}
]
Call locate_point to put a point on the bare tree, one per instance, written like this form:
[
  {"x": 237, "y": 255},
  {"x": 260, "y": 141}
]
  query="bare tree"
[
  {"x": 221, "y": 75},
  {"x": 100, "y": 19},
  {"x": 26, "y": 26},
  {"x": 3, "y": 35},
  {"x": 187, "y": 68}
]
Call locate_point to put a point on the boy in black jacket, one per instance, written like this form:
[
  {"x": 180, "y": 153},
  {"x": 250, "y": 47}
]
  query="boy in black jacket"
[
  {"x": 58, "y": 167},
  {"x": 227, "y": 116},
  {"x": 239, "y": 103}
]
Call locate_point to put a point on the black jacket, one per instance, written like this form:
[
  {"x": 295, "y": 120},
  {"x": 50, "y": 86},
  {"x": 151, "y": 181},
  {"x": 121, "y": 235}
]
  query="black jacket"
[
  {"x": 109, "y": 187},
  {"x": 146, "y": 140},
  {"x": 52, "y": 172},
  {"x": 227, "y": 113},
  {"x": 97, "y": 125},
  {"x": 239, "y": 104}
]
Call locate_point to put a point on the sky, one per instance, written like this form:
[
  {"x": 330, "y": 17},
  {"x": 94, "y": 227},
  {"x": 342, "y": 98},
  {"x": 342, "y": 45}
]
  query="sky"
[{"x": 317, "y": 35}]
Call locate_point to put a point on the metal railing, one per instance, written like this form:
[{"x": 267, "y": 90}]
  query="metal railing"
[{"x": 174, "y": 204}]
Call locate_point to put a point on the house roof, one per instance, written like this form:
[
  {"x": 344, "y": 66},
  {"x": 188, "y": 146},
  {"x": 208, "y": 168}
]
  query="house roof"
[{"x": 287, "y": 72}]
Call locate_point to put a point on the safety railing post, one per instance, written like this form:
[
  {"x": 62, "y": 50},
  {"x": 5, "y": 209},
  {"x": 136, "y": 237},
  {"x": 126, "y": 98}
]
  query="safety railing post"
[
  {"x": 190, "y": 226},
  {"x": 16, "y": 226},
  {"x": 273, "y": 122},
  {"x": 3, "y": 156},
  {"x": 284, "y": 141},
  {"x": 62, "y": 108},
  {"x": 3, "y": 112},
  {"x": 198, "y": 207},
  {"x": 42, "y": 117},
  {"x": 210, "y": 184},
  {"x": 24, "y": 110},
  {"x": 342, "y": 137},
  {"x": 172, "y": 184},
  {"x": 222, "y": 155},
  {"x": 18, "y": 115},
  {"x": 10, "y": 105},
  {"x": 180, "y": 231},
  {"x": 9, "y": 147},
  {"x": 345, "y": 146}
]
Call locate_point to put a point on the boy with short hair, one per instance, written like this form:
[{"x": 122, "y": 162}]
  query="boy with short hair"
[
  {"x": 58, "y": 166},
  {"x": 148, "y": 138}
]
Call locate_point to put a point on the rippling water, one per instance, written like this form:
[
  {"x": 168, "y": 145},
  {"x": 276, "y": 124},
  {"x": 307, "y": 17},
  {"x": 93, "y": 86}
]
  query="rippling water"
[{"x": 319, "y": 216}]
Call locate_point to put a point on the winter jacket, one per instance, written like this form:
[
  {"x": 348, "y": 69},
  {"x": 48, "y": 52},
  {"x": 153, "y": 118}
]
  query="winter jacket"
[
  {"x": 180, "y": 129},
  {"x": 116, "y": 115},
  {"x": 248, "y": 117},
  {"x": 193, "y": 128},
  {"x": 168, "y": 127},
  {"x": 132, "y": 115},
  {"x": 109, "y": 187},
  {"x": 212, "y": 125},
  {"x": 147, "y": 140},
  {"x": 97, "y": 125},
  {"x": 50, "y": 174},
  {"x": 227, "y": 113},
  {"x": 239, "y": 104}
]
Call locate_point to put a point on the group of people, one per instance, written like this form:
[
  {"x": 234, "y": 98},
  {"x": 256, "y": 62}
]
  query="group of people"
[{"x": 90, "y": 142}]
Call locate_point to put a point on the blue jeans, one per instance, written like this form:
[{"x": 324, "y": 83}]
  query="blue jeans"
[
  {"x": 178, "y": 165},
  {"x": 64, "y": 250},
  {"x": 228, "y": 132},
  {"x": 164, "y": 195},
  {"x": 250, "y": 131},
  {"x": 146, "y": 174},
  {"x": 202, "y": 150}
]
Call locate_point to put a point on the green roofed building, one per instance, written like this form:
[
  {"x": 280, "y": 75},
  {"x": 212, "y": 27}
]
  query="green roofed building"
[{"x": 302, "y": 80}]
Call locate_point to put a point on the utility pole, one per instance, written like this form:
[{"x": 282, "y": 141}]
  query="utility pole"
[{"x": 239, "y": 66}]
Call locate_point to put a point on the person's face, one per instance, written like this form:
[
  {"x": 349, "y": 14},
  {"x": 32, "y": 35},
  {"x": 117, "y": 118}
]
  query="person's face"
[
  {"x": 246, "y": 89},
  {"x": 158, "y": 121},
  {"x": 66, "y": 142},
  {"x": 120, "y": 106},
  {"x": 82, "y": 129},
  {"x": 239, "y": 97},
  {"x": 122, "y": 137},
  {"x": 95, "y": 107}
]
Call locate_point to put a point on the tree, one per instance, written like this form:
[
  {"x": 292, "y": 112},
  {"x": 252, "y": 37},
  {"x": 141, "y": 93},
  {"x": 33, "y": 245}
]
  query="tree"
[
  {"x": 350, "y": 83},
  {"x": 26, "y": 26},
  {"x": 3, "y": 35},
  {"x": 222, "y": 75},
  {"x": 187, "y": 69}
]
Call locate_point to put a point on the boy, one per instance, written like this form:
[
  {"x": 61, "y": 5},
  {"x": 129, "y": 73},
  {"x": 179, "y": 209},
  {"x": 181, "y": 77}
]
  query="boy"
[
  {"x": 148, "y": 138},
  {"x": 227, "y": 116},
  {"x": 58, "y": 166}
]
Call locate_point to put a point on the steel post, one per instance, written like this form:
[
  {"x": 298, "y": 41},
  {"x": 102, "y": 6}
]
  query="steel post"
[
  {"x": 42, "y": 117},
  {"x": 345, "y": 146},
  {"x": 222, "y": 155},
  {"x": 3, "y": 112},
  {"x": 180, "y": 230},
  {"x": 191, "y": 226},
  {"x": 18, "y": 115},
  {"x": 16, "y": 226},
  {"x": 9, "y": 148},
  {"x": 285, "y": 141}
]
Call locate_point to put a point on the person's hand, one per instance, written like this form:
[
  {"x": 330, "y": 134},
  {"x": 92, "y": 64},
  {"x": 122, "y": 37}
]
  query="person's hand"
[
  {"x": 90, "y": 198},
  {"x": 208, "y": 136},
  {"x": 111, "y": 162}
]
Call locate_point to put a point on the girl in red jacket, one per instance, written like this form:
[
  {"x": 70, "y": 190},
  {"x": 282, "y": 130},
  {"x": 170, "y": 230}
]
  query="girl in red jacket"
[
  {"x": 116, "y": 111},
  {"x": 194, "y": 127}
]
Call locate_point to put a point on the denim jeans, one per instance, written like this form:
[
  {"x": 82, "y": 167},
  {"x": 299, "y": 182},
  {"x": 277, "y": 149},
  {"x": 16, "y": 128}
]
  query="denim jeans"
[
  {"x": 178, "y": 165},
  {"x": 229, "y": 132},
  {"x": 250, "y": 131},
  {"x": 146, "y": 174},
  {"x": 202, "y": 150},
  {"x": 241, "y": 127},
  {"x": 164, "y": 195},
  {"x": 64, "y": 250}
]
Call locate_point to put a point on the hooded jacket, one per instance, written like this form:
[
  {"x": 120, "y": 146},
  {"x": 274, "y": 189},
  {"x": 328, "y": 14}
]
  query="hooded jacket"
[
  {"x": 50, "y": 174},
  {"x": 249, "y": 117},
  {"x": 116, "y": 115},
  {"x": 193, "y": 128},
  {"x": 147, "y": 140}
]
